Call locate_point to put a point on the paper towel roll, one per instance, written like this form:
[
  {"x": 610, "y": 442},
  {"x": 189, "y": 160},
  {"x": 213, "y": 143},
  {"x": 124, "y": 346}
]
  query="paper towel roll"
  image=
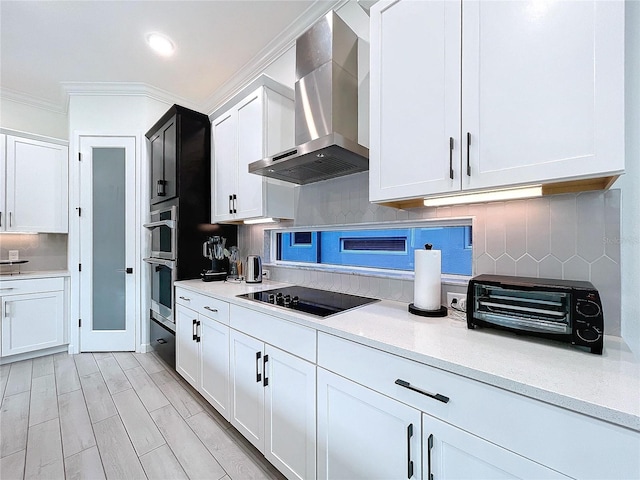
[{"x": 426, "y": 285}]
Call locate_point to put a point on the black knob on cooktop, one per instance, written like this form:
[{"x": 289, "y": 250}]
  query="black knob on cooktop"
[
  {"x": 295, "y": 300},
  {"x": 272, "y": 298},
  {"x": 287, "y": 300}
]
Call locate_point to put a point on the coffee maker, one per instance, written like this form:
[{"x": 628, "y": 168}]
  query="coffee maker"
[{"x": 214, "y": 249}]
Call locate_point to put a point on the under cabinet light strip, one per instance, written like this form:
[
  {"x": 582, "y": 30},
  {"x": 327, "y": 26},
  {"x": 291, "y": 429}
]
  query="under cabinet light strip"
[
  {"x": 490, "y": 196},
  {"x": 261, "y": 220}
]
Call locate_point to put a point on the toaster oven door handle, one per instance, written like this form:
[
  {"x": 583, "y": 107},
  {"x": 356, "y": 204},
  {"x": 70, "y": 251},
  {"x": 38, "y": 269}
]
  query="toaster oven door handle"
[{"x": 436, "y": 396}]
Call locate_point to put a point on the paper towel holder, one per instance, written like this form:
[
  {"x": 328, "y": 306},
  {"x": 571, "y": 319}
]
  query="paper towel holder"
[{"x": 439, "y": 312}]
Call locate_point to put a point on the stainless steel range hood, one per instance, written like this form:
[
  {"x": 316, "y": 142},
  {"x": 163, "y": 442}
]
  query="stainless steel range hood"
[{"x": 326, "y": 109}]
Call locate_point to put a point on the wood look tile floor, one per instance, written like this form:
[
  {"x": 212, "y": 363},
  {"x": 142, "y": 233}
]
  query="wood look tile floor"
[{"x": 104, "y": 415}]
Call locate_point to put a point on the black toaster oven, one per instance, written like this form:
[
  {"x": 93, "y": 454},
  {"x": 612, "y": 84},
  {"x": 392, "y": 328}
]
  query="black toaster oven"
[{"x": 565, "y": 310}]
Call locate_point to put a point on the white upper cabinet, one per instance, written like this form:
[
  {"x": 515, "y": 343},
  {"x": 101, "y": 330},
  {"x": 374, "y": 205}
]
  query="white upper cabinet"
[
  {"x": 259, "y": 125},
  {"x": 494, "y": 94},
  {"x": 34, "y": 186},
  {"x": 415, "y": 98}
]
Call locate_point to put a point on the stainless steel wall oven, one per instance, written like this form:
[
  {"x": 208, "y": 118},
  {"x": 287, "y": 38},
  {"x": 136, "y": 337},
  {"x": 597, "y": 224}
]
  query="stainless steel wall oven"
[{"x": 164, "y": 232}]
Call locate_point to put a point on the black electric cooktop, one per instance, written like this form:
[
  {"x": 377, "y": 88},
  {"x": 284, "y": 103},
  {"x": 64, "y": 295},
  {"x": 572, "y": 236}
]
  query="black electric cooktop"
[{"x": 321, "y": 303}]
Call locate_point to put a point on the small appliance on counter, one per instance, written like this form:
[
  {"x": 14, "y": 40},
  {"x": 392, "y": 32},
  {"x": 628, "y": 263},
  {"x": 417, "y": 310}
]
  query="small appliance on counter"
[
  {"x": 214, "y": 249},
  {"x": 564, "y": 310},
  {"x": 233, "y": 264},
  {"x": 254, "y": 269}
]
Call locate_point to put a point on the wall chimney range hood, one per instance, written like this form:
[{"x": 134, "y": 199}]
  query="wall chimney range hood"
[{"x": 326, "y": 109}]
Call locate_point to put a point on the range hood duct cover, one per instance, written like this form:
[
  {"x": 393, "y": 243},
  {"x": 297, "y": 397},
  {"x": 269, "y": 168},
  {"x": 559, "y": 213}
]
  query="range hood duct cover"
[{"x": 326, "y": 109}]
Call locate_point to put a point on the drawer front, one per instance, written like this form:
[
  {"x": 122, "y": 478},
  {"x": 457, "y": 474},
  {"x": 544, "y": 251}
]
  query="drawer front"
[
  {"x": 380, "y": 371},
  {"x": 208, "y": 306},
  {"x": 563, "y": 440},
  {"x": 34, "y": 285},
  {"x": 290, "y": 337}
]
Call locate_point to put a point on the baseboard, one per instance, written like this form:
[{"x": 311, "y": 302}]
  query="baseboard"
[{"x": 35, "y": 354}]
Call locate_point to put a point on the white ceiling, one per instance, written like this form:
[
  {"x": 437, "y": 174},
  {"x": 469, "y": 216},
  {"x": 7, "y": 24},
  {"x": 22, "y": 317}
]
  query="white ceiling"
[{"x": 47, "y": 47}]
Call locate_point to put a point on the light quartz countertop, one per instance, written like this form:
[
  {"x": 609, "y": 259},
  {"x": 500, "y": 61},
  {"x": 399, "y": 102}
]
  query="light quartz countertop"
[
  {"x": 5, "y": 277},
  {"x": 604, "y": 386}
]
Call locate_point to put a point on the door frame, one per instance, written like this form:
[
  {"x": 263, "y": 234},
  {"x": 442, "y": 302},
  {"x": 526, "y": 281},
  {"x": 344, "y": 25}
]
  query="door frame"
[{"x": 140, "y": 241}]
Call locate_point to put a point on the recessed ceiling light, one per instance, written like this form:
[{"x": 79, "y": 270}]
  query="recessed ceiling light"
[{"x": 160, "y": 44}]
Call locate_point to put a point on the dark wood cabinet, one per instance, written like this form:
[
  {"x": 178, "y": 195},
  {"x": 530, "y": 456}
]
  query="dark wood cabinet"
[
  {"x": 180, "y": 144},
  {"x": 164, "y": 163},
  {"x": 180, "y": 174}
]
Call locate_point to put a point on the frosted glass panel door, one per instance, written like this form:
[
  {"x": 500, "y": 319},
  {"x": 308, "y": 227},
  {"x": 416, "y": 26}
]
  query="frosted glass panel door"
[
  {"x": 108, "y": 239},
  {"x": 107, "y": 233}
]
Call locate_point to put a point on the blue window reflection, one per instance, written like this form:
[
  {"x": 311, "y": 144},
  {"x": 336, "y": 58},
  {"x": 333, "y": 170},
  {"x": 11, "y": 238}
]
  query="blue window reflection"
[{"x": 383, "y": 248}]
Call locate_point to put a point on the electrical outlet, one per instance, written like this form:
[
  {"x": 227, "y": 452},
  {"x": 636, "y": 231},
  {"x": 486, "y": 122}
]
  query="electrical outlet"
[
  {"x": 266, "y": 274},
  {"x": 457, "y": 300},
  {"x": 14, "y": 255}
]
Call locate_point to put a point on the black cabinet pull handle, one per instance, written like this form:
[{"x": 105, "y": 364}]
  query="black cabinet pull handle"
[
  {"x": 160, "y": 188},
  {"x": 10, "y": 219},
  {"x": 258, "y": 374},
  {"x": 198, "y": 331},
  {"x": 264, "y": 369},
  {"x": 429, "y": 447},
  {"x": 161, "y": 341},
  {"x": 235, "y": 203},
  {"x": 230, "y": 207},
  {"x": 409, "y": 461},
  {"x": 193, "y": 330},
  {"x": 436, "y": 396},
  {"x": 468, "y": 148},
  {"x": 451, "y": 158},
  {"x": 0, "y": 219}
]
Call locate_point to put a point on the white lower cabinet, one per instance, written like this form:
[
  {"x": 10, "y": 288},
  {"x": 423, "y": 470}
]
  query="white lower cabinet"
[
  {"x": 452, "y": 453},
  {"x": 214, "y": 364},
  {"x": 202, "y": 355},
  {"x": 363, "y": 434},
  {"x": 187, "y": 347},
  {"x": 273, "y": 404},
  {"x": 318, "y": 405},
  {"x": 33, "y": 315}
]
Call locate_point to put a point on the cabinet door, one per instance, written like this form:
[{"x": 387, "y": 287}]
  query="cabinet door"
[
  {"x": 187, "y": 345},
  {"x": 542, "y": 90},
  {"x": 37, "y": 186},
  {"x": 251, "y": 126},
  {"x": 157, "y": 168},
  {"x": 224, "y": 166},
  {"x": 365, "y": 435},
  {"x": 32, "y": 322},
  {"x": 453, "y": 453},
  {"x": 164, "y": 163},
  {"x": 247, "y": 391},
  {"x": 170, "y": 159},
  {"x": 214, "y": 364},
  {"x": 415, "y": 99},
  {"x": 290, "y": 413}
]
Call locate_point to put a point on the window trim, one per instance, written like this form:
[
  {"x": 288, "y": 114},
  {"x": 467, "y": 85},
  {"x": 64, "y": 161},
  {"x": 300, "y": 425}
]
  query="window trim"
[{"x": 271, "y": 239}]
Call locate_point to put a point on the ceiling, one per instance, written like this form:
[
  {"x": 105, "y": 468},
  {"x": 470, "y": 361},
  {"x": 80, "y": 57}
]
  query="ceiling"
[{"x": 49, "y": 48}]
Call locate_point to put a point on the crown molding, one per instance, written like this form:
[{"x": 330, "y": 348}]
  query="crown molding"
[
  {"x": 276, "y": 48},
  {"x": 125, "y": 89},
  {"x": 32, "y": 101}
]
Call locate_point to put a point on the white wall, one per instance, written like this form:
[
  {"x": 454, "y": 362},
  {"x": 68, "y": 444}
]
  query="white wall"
[
  {"x": 31, "y": 119},
  {"x": 630, "y": 184}
]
